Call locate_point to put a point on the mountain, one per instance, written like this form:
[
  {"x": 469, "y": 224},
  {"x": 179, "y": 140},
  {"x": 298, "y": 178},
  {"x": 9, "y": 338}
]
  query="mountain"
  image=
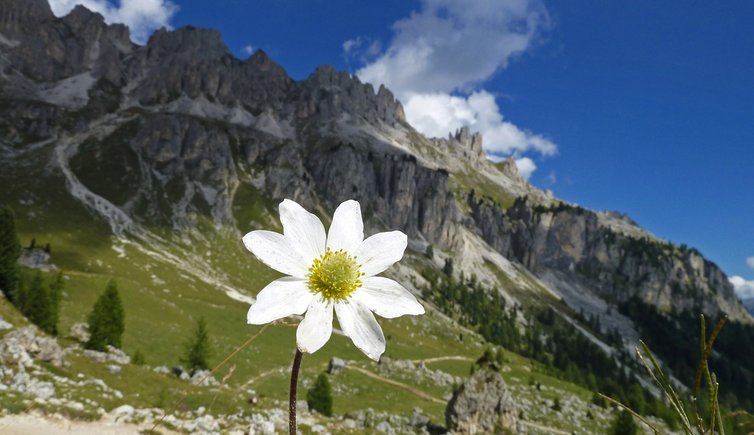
[
  {"x": 148, "y": 163},
  {"x": 749, "y": 304}
]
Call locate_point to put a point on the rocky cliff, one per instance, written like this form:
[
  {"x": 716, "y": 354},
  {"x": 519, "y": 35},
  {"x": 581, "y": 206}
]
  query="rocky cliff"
[{"x": 177, "y": 129}]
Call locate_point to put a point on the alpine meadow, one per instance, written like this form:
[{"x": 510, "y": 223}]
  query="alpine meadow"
[{"x": 193, "y": 240}]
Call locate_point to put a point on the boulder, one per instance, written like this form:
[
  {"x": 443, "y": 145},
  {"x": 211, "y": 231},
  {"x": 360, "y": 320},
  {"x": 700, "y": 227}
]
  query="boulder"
[
  {"x": 117, "y": 355},
  {"x": 203, "y": 378},
  {"x": 336, "y": 366},
  {"x": 4, "y": 324},
  {"x": 482, "y": 404},
  {"x": 80, "y": 331}
]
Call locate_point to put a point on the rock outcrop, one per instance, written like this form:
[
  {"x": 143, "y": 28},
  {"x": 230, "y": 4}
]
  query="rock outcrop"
[
  {"x": 22, "y": 346},
  {"x": 482, "y": 404}
]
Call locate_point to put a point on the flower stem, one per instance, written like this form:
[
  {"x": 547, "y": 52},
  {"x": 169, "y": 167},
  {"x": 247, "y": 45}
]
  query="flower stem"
[{"x": 292, "y": 399}]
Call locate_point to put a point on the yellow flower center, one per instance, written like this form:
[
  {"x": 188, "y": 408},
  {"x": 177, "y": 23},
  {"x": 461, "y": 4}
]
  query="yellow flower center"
[{"x": 335, "y": 275}]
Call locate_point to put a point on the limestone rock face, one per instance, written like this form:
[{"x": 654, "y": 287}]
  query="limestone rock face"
[
  {"x": 482, "y": 405},
  {"x": 47, "y": 49},
  {"x": 570, "y": 240}
]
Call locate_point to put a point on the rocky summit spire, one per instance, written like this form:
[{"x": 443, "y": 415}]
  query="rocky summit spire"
[{"x": 469, "y": 141}]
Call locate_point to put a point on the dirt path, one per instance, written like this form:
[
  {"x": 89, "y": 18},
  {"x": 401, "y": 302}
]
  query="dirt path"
[
  {"x": 443, "y": 358},
  {"x": 264, "y": 375},
  {"x": 544, "y": 429},
  {"x": 400, "y": 385},
  {"x": 36, "y": 424}
]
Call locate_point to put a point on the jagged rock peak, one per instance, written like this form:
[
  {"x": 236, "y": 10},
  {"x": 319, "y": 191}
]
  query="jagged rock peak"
[
  {"x": 331, "y": 93},
  {"x": 467, "y": 140},
  {"x": 91, "y": 26},
  {"x": 189, "y": 41},
  {"x": 260, "y": 61}
]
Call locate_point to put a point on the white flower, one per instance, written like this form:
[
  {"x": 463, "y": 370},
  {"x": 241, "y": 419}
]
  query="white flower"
[{"x": 336, "y": 271}]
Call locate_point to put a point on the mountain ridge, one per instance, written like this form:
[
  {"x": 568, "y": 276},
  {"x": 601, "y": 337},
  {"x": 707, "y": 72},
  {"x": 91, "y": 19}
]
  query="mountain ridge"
[{"x": 328, "y": 130}]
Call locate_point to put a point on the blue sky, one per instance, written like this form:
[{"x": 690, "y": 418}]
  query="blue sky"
[{"x": 645, "y": 107}]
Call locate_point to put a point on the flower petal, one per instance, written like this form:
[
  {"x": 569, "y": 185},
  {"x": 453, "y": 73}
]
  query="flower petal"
[
  {"x": 347, "y": 228},
  {"x": 303, "y": 230},
  {"x": 358, "y": 322},
  {"x": 387, "y": 298},
  {"x": 381, "y": 251},
  {"x": 274, "y": 250},
  {"x": 281, "y": 298},
  {"x": 316, "y": 328}
]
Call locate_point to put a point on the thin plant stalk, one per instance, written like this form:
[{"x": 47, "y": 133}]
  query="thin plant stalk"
[{"x": 292, "y": 397}]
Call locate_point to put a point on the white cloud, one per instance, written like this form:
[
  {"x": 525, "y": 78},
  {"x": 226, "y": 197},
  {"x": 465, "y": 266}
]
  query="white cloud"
[
  {"x": 362, "y": 49},
  {"x": 750, "y": 262},
  {"x": 248, "y": 49},
  {"x": 438, "y": 57},
  {"x": 744, "y": 289},
  {"x": 525, "y": 167},
  {"x": 141, "y": 16},
  {"x": 551, "y": 178},
  {"x": 352, "y": 44},
  {"x": 450, "y": 45},
  {"x": 438, "y": 113}
]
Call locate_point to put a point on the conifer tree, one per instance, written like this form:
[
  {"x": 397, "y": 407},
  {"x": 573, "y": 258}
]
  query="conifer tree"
[
  {"x": 198, "y": 348},
  {"x": 56, "y": 294},
  {"x": 106, "y": 320},
  {"x": 10, "y": 249},
  {"x": 319, "y": 397},
  {"x": 624, "y": 424},
  {"x": 38, "y": 305}
]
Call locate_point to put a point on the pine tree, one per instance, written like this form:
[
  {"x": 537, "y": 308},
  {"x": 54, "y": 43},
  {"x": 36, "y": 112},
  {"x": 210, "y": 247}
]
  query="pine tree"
[
  {"x": 319, "y": 397},
  {"x": 10, "y": 249},
  {"x": 448, "y": 267},
  {"x": 38, "y": 305},
  {"x": 198, "y": 348},
  {"x": 56, "y": 294},
  {"x": 106, "y": 320}
]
